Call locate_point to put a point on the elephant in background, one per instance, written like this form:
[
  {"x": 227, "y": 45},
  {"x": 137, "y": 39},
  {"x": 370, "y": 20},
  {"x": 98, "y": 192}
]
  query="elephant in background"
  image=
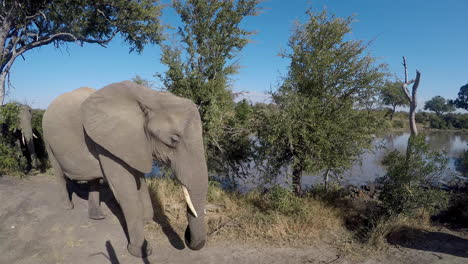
[
  {"x": 20, "y": 134},
  {"x": 115, "y": 133},
  {"x": 27, "y": 136}
]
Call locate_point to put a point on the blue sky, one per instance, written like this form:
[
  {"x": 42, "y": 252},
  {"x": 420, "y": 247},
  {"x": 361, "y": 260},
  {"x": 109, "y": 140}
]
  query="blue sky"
[{"x": 433, "y": 35}]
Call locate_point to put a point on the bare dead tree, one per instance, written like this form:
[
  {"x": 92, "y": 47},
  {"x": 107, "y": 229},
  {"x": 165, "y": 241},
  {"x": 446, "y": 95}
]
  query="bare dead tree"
[{"x": 411, "y": 97}]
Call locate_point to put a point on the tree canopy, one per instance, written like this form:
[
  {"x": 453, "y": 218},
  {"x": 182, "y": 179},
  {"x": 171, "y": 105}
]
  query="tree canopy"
[
  {"x": 462, "y": 99},
  {"x": 320, "y": 122},
  {"x": 26, "y": 25},
  {"x": 439, "y": 105},
  {"x": 199, "y": 65},
  {"x": 391, "y": 94}
]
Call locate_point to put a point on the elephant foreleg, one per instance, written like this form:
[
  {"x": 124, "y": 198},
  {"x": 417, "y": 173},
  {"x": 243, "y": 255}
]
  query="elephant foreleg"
[
  {"x": 145, "y": 199},
  {"x": 94, "y": 207},
  {"x": 123, "y": 184}
]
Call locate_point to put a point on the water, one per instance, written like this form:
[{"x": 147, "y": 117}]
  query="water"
[{"x": 369, "y": 166}]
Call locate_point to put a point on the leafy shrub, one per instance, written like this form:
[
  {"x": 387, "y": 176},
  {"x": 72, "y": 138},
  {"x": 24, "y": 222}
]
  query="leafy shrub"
[
  {"x": 411, "y": 182},
  {"x": 36, "y": 120},
  {"x": 280, "y": 200},
  {"x": 437, "y": 122},
  {"x": 398, "y": 124},
  {"x": 11, "y": 160},
  {"x": 9, "y": 117},
  {"x": 422, "y": 117},
  {"x": 458, "y": 121},
  {"x": 462, "y": 163}
]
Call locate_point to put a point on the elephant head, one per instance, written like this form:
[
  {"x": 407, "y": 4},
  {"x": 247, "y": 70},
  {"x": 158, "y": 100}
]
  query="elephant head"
[
  {"x": 137, "y": 125},
  {"x": 27, "y": 134}
]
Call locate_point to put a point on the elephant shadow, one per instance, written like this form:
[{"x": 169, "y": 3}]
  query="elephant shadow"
[
  {"x": 106, "y": 196},
  {"x": 436, "y": 242}
]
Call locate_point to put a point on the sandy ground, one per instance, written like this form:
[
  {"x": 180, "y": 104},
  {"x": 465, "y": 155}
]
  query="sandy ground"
[{"x": 35, "y": 229}]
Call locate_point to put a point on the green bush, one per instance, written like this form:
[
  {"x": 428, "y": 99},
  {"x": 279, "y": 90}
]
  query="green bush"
[
  {"x": 398, "y": 124},
  {"x": 9, "y": 117},
  {"x": 437, "y": 122},
  {"x": 412, "y": 181},
  {"x": 422, "y": 117},
  {"x": 280, "y": 200},
  {"x": 11, "y": 160}
]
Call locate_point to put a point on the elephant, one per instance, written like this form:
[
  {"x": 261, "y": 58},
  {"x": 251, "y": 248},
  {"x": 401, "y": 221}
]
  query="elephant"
[
  {"x": 27, "y": 135},
  {"x": 22, "y": 137},
  {"x": 115, "y": 133}
]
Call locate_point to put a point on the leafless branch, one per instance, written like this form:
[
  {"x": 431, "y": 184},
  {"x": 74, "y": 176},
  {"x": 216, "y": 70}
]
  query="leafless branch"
[{"x": 406, "y": 69}]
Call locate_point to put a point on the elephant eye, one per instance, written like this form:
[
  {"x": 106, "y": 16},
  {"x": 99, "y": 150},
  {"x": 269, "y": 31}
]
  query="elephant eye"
[{"x": 175, "y": 139}]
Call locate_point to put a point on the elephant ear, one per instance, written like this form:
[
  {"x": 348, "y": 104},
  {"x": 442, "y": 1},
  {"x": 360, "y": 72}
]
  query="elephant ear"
[{"x": 113, "y": 118}]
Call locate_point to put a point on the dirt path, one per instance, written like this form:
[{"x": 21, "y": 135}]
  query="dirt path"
[{"x": 34, "y": 229}]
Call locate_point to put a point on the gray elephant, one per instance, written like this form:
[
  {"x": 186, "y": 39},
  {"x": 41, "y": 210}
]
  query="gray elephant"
[
  {"x": 115, "y": 133},
  {"x": 22, "y": 136},
  {"x": 27, "y": 134}
]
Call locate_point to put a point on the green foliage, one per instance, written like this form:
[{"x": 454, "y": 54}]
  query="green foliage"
[
  {"x": 82, "y": 21},
  {"x": 462, "y": 99},
  {"x": 439, "y": 105},
  {"x": 437, "y": 122},
  {"x": 11, "y": 160},
  {"x": 320, "y": 119},
  {"x": 36, "y": 120},
  {"x": 9, "y": 116},
  {"x": 199, "y": 69},
  {"x": 447, "y": 121},
  {"x": 398, "y": 124},
  {"x": 422, "y": 117},
  {"x": 30, "y": 24},
  {"x": 462, "y": 163},
  {"x": 412, "y": 180},
  {"x": 392, "y": 94},
  {"x": 243, "y": 111},
  {"x": 280, "y": 200}
]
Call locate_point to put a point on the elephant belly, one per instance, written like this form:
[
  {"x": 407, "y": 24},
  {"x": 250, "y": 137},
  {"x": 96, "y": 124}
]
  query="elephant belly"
[
  {"x": 76, "y": 164},
  {"x": 64, "y": 133}
]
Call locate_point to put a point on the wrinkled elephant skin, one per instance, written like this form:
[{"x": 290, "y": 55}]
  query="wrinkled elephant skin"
[{"x": 115, "y": 133}]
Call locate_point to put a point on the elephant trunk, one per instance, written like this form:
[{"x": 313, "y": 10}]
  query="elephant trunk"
[
  {"x": 193, "y": 175},
  {"x": 195, "y": 234}
]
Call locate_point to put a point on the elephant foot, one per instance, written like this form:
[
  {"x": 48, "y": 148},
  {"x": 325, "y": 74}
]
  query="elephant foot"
[
  {"x": 140, "y": 251},
  {"x": 96, "y": 214},
  {"x": 68, "y": 205},
  {"x": 147, "y": 220}
]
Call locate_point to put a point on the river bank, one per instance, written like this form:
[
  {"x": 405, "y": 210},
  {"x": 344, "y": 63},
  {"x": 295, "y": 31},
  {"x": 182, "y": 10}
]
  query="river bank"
[{"x": 34, "y": 229}]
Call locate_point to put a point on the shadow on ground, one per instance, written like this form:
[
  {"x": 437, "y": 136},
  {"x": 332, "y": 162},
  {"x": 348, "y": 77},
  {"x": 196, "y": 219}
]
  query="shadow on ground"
[
  {"x": 436, "y": 242},
  {"x": 106, "y": 195}
]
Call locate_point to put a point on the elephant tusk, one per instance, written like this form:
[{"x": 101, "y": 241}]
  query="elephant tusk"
[
  {"x": 22, "y": 138},
  {"x": 189, "y": 201},
  {"x": 34, "y": 135}
]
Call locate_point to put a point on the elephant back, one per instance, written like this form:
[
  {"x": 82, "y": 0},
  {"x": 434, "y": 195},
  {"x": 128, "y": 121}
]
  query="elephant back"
[{"x": 64, "y": 133}]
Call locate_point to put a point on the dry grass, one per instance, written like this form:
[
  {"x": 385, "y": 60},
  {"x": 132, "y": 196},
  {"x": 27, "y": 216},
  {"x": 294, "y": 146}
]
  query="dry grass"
[
  {"x": 232, "y": 216},
  {"x": 396, "y": 229}
]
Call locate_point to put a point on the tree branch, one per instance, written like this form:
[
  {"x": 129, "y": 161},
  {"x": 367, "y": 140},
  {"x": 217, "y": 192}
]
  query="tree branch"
[
  {"x": 406, "y": 69},
  {"x": 406, "y": 91},
  {"x": 415, "y": 86}
]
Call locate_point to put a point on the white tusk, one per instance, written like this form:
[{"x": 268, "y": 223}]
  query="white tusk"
[
  {"x": 22, "y": 138},
  {"x": 34, "y": 135},
  {"x": 189, "y": 202}
]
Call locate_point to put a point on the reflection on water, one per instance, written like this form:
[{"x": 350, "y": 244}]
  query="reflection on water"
[{"x": 369, "y": 167}]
